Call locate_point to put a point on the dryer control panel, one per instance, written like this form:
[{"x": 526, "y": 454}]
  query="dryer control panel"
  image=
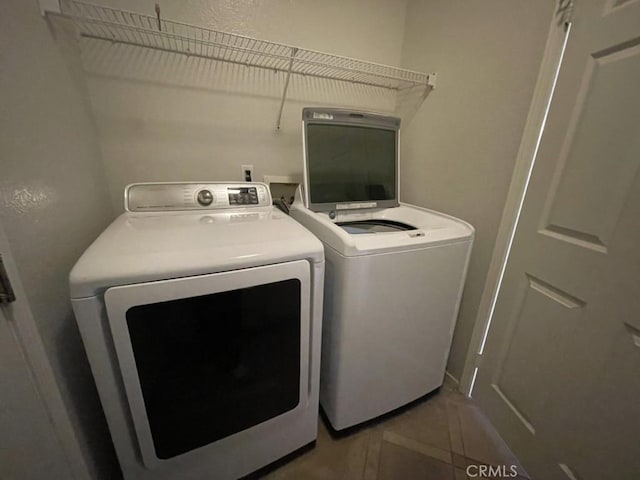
[{"x": 181, "y": 196}]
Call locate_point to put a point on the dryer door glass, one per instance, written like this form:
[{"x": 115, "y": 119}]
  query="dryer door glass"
[{"x": 213, "y": 365}]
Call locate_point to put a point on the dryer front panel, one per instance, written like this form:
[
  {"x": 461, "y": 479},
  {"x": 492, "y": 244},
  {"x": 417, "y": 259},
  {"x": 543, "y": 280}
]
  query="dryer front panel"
[{"x": 206, "y": 359}]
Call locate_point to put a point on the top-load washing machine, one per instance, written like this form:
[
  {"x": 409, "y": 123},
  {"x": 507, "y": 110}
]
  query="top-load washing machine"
[
  {"x": 200, "y": 311},
  {"x": 394, "y": 272}
]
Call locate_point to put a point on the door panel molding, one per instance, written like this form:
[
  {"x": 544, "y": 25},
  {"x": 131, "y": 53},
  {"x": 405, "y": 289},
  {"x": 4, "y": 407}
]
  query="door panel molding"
[
  {"x": 554, "y": 293},
  {"x": 612, "y": 6},
  {"x": 574, "y": 237},
  {"x": 519, "y": 415},
  {"x": 18, "y": 315},
  {"x": 517, "y": 368},
  {"x": 586, "y": 195}
]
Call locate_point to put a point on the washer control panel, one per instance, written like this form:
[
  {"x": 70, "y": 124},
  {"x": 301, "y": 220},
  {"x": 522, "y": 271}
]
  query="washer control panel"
[{"x": 179, "y": 196}]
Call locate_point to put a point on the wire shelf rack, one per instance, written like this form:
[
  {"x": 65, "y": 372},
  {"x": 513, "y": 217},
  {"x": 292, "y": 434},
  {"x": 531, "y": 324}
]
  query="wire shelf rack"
[{"x": 105, "y": 23}]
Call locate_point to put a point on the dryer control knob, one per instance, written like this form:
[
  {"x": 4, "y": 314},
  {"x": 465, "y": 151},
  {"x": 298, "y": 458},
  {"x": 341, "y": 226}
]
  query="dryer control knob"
[{"x": 205, "y": 198}]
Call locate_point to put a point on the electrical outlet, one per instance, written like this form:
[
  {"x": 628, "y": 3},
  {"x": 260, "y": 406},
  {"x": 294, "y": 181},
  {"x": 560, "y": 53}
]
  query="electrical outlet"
[{"x": 247, "y": 173}]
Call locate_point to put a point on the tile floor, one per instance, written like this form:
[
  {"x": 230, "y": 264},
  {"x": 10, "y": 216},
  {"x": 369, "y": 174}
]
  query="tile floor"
[{"x": 435, "y": 439}]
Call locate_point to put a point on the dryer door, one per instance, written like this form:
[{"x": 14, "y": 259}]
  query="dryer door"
[{"x": 207, "y": 359}]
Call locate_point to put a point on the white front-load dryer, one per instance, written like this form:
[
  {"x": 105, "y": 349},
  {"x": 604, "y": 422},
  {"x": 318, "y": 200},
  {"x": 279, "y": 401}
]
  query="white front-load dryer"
[{"x": 200, "y": 310}]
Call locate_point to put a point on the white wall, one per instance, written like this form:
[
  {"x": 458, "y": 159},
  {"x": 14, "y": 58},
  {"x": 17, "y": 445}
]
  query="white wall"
[
  {"x": 459, "y": 151},
  {"x": 164, "y": 116},
  {"x": 53, "y": 202}
]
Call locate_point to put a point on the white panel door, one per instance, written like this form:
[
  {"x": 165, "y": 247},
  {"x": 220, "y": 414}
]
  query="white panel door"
[
  {"x": 29, "y": 445},
  {"x": 560, "y": 374}
]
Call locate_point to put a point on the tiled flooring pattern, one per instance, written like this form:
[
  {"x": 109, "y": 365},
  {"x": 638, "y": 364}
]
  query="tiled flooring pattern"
[{"x": 435, "y": 439}]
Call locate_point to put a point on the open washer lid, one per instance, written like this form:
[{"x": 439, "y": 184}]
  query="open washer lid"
[{"x": 350, "y": 159}]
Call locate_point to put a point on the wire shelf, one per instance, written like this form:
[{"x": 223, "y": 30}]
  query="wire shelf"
[{"x": 104, "y": 23}]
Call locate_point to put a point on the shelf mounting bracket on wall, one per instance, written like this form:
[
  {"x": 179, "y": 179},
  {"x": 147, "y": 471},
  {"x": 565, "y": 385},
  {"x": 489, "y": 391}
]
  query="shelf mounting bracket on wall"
[{"x": 431, "y": 81}]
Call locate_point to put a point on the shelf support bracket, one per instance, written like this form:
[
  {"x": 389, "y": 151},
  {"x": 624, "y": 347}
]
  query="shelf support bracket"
[
  {"x": 294, "y": 51},
  {"x": 49, "y": 6},
  {"x": 431, "y": 80}
]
